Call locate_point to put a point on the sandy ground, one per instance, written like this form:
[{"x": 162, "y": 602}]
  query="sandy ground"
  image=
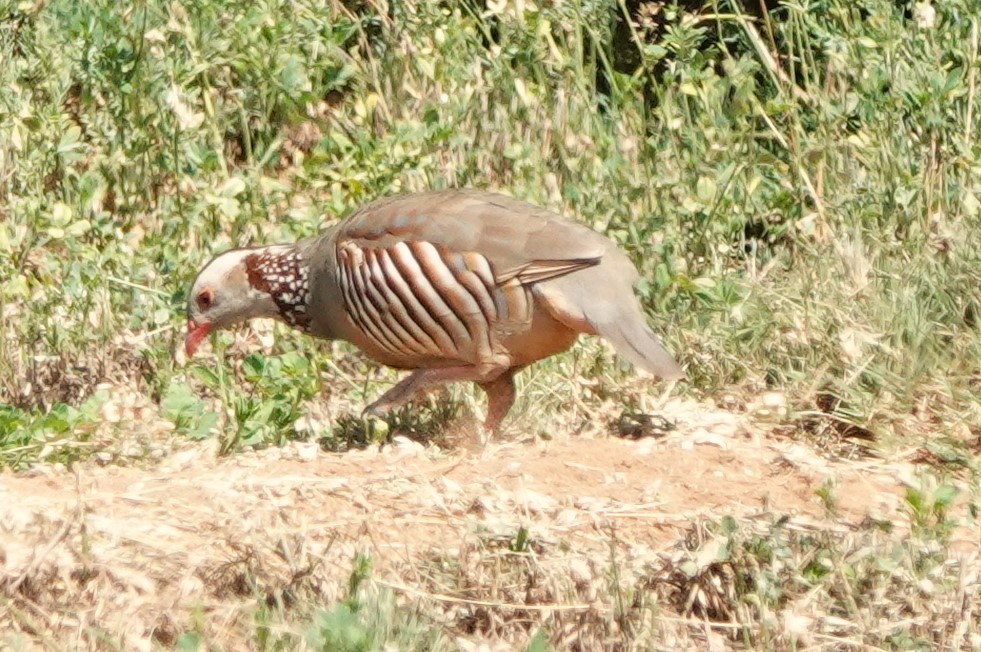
[{"x": 134, "y": 551}]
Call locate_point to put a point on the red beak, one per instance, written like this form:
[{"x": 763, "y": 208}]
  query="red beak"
[{"x": 195, "y": 333}]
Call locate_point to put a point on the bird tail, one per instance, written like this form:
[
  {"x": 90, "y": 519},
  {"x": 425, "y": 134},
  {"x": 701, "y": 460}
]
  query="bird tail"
[
  {"x": 611, "y": 312},
  {"x": 634, "y": 340}
]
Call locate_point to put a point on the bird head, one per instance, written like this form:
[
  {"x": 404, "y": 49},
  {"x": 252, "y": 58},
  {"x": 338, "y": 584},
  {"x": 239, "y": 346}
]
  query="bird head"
[{"x": 228, "y": 290}]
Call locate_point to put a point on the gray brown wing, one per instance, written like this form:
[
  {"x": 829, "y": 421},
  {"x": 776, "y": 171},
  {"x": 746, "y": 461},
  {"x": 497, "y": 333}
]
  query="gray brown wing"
[
  {"x": 509, "y": 233},
  {"x": 444, "y": 274}
]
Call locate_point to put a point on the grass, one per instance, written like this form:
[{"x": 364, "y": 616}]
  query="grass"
[
  {"x": 800, "y": 191},
  {"x": 772, "y": 584},
  {"x": 799, "y": 187}
]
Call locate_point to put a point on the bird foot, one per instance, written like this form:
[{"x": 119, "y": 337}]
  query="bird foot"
[{"x": 378, "y": 409}]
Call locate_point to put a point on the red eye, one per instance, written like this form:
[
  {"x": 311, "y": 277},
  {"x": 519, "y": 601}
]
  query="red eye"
[{"x": 205, "y": 298}]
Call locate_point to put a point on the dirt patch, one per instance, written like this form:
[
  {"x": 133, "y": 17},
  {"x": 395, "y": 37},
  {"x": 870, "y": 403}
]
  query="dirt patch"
[{"x": 135, "y": 551}]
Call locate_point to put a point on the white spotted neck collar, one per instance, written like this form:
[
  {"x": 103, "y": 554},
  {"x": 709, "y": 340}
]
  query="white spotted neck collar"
[{"x": 282, "y": 273}]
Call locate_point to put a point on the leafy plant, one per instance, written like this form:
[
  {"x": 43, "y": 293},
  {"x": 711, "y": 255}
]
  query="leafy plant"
[
  {"x": 188, "y": 412},
  {"x": 56, "y": 435},
  {"x": 929, "y": 505}
]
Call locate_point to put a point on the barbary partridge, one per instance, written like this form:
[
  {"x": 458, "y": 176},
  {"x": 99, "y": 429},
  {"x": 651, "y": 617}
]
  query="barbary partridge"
[{"x": 454, "y": 285}]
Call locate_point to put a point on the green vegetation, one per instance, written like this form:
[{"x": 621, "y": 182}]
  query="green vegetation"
[
  {"x": 800, "y": 190},
  {"x": 800, "y": 187}
]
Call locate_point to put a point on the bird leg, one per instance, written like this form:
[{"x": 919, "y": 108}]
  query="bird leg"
[
  {"x": 500, "y": 397},
  {"x": 421, "y": 379}
]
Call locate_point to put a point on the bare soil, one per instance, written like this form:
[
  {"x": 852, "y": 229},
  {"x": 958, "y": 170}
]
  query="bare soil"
[{"x": 136, "y": 552}]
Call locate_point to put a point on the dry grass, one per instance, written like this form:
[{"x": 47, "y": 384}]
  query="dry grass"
[{"x": 714, "y": 534}]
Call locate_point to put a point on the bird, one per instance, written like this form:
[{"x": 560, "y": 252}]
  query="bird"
[{"x": 452, "y": 285}]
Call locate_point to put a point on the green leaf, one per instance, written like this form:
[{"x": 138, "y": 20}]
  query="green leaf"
[
  {"x": 61, "y": 214},
  {"x": 69, "y": 140},
  {"x": 539, "y": 642},
  {"x": 205, "y": 376},
  {"x": 180, "y": 405},
  {"x": 705, "y": 189},
  {"x": 78, "y": 228},
  {"x": 253, "y": 366},
  {"x": 89, "y": 409},
  {"x": 205, "y": 427},
  {"x": 189, "y": 642},
  {"x": 945, "y": 495},
  {"x": 232, "y": 187}
]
